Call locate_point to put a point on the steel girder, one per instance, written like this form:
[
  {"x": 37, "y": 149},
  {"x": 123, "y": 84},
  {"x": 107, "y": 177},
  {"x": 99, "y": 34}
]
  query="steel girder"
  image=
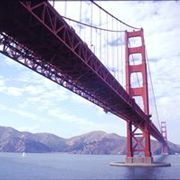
[
  {"x": 56, "y": 51},
  {"x": 9, "y": 47}
]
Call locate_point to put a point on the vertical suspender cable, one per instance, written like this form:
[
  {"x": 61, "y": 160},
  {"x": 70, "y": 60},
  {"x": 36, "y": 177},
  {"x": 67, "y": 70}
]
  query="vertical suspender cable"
[
  {"x": 100, "y": 36},
  {"x": 96, "y": 45},
  {"x": 65, "y": 8},
  {"x": 121, "y": 59},
  {"x": 53, "y": 3},
  {"x": 80, "y": 17},
  {"x": 117, "y": 53},
  {"x": 154, "y": 97},
  {"x": 91, "y": 35},
  {"x": 121, "y": 56},
  {"x": 107, "y": 38},
  {"x": 96, "y": 50},
  {"x": 112, "y": 52},
  {"x": 122, "y": 22},
  {"x": 84, "y": 30}
]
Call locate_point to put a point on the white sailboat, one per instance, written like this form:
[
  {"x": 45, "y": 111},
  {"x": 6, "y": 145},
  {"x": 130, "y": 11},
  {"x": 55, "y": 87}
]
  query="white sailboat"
[{"x": 23, "y": 154}]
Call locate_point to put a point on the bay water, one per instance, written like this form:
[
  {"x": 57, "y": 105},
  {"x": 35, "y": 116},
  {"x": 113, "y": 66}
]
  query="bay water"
[{"x": 54, "y": 166}]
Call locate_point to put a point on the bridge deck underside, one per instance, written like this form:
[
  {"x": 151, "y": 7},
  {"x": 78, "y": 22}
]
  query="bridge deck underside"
[{"x": 61, "y": 47}]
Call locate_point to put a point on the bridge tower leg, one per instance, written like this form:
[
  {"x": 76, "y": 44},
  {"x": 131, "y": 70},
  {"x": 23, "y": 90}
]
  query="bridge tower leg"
[
  {"x": 165, "y": 149},
  {"x": 138, "y": 140}
]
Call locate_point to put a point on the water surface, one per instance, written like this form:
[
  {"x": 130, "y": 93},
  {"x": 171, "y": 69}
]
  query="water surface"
[{"x": 53, "y": 166}]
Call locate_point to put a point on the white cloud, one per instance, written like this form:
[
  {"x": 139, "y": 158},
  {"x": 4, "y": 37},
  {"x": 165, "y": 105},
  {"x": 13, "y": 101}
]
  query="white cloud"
[
  {"x": 34, "y": 128},
  {"x": 67, "y": 117},
  {"x": 14, "y": 91},
  {"x": 160, "y": 21},
  {"x": 2, "y": 84},
  {"x": 20, "y": 112},
  {"x": 80, "y": 100}
]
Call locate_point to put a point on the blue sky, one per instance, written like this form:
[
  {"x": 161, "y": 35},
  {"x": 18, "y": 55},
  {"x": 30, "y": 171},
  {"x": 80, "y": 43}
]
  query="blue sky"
[
  {"x": 33, "y": 103},
  {"x": 29, "y": 102}
]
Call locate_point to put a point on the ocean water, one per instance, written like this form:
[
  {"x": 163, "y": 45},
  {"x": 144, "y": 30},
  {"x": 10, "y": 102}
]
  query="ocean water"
[{"x": 52, "y": 166}]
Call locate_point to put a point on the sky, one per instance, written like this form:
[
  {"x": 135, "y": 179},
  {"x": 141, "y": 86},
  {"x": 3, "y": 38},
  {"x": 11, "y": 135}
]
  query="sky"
[{"x": 30, "y": 102}]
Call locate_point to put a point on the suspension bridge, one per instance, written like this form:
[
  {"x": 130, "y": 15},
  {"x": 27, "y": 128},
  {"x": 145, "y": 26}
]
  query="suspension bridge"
[{"x": 84, "y": 55}]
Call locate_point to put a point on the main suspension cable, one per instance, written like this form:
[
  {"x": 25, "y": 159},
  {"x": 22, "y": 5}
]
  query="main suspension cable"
[
  {"x": 113, "y": 15},
  {"x": 92, "y": 26},
  {"x": 154, "y": 97}
]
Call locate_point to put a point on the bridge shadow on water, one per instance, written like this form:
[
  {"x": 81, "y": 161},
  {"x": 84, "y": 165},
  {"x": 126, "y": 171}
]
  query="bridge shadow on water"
[
  {"x": 161, "y": 158},
  {"x": 146, "y": 172}
]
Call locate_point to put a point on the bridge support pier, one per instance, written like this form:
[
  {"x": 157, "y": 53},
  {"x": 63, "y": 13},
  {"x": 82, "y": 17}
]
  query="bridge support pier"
[
  {"x": 139, "y": 160},
  {"x": 138, "y": 145},
  {"x": 138, "y": 140},
  {"x": 138, "y": 134}
]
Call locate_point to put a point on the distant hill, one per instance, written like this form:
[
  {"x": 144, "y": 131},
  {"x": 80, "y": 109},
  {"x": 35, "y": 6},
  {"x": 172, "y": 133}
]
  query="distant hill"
[
  {"x": 12, "y": 140},
  {"x": 96, "y": 142}
]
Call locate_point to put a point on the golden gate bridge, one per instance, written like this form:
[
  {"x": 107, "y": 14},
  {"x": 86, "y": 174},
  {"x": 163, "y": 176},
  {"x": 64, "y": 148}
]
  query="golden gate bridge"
[{"x": 56, "y": 46}]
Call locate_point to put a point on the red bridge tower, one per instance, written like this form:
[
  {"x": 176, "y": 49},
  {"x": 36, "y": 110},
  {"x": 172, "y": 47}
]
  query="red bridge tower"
[
  {"x": 165, "y": 149},
  {"x": 138, "y": 140}
]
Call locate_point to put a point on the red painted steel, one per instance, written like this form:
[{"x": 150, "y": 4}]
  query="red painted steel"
[
  {"x": 165, "y": 149},
  {"x": 35, "y": 35},
  {"x": 138, "y": 140}
]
